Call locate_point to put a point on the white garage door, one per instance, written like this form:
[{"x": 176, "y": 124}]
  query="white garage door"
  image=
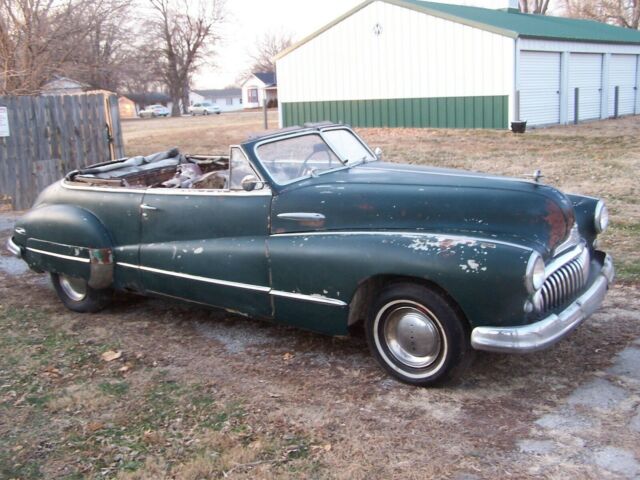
[
  {"x": 540, "y": 87},
  {"x": 622, "y": 74},
  {"x": 585, "y": 74}
]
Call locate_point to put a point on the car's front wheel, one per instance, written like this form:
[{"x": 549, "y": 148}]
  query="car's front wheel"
[
  {"x": 78, "y": 296},
  {"x": 417, "y": 336}
]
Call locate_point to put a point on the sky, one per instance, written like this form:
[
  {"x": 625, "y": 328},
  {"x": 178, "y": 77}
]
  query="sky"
[{"x": 247, "y": 20}]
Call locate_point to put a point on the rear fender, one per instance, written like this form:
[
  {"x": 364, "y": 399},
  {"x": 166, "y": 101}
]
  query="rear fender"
[{"x": 68, "y": 240}]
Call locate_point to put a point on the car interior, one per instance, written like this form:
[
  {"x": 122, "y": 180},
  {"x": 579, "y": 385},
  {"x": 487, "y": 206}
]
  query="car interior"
[{"x": 169, "y": 169}]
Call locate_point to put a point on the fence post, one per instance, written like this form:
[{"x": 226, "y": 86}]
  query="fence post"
[
  {"x": 616, "y": 105},
  {"x": 265, "y": 111},
  {"x": 576, "y": 106}
]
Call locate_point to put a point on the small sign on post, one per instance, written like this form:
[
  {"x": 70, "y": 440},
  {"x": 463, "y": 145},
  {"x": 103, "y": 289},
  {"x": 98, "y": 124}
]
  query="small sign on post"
[{"x": 4, "y": 122}]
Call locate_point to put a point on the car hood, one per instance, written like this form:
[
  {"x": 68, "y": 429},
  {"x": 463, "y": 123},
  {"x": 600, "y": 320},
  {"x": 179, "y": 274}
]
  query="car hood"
[{"x": 389, "y": 196}]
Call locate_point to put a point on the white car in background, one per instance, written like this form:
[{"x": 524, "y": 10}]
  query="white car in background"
[
  {"x": 154, "y": 111},
  {"x": 204, "y": 108}
]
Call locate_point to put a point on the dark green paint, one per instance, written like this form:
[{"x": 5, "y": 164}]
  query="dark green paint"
[
  {"x": 492, "y": 222},
  {"x": 447, "y": 112}
]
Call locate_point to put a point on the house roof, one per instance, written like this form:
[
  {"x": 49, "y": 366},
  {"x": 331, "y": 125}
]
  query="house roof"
[
  {"x": 60, "y": 80},
  {"x": 507, "y": 22},
  {"x": 268, "y": 78},
  {"x": 220, "y": 93},
  {"x": 513, "y": 23}
]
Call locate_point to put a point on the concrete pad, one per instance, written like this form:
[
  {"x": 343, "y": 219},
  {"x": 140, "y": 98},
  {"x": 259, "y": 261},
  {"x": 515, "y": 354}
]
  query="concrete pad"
[
  {"x": 618, "y": 461},
  {"x": 598, "y": 393},
  {"x": 7, "y": 220},
  {"x": 634, "y": 424},
  {"x": 564, "y": 420},
  {"x": 536, "y": 447},
  {"x": 13, "y": 266},
  {"x": 627, "y": 364}
]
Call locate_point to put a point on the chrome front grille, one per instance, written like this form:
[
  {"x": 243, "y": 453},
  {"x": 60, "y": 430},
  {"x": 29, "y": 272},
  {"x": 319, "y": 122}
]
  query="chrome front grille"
[{"x": 564, "y": 283}]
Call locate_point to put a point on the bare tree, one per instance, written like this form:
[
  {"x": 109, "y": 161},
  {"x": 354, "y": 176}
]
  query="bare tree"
[
  {"x": 186, "y": 35},
  {"x": 624, "y": 13},
  {"x": 539, "y": 7},
  {"x": 266, "y": 48},
  {"x": 41, "y": 38},
  {"x": 109, "y": 51}
]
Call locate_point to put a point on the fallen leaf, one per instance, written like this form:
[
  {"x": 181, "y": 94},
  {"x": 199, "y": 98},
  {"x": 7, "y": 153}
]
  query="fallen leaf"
[
  {"x": 327, "y": 447},
  {"x": 95, "y": 426},
  {"x": 110, "y": 355},
  {"x": 125, "y": 368},
  {"x": 287, "y": 356}
]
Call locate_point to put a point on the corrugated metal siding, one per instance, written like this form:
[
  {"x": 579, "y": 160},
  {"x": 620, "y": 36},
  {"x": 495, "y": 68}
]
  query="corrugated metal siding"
[
  {"x": 622, "y": 73},
  {"x": 415, "y": 56},
  {"x": 540, "y": 87},
  {"x": 449, "y": 112},
  {"x": 585, "y": 73}
]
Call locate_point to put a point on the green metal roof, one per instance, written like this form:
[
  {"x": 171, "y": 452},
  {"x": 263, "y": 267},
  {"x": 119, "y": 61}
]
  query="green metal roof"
[
  {"x": 515, "y": 24},
  {"x": 510, "y": 23}
]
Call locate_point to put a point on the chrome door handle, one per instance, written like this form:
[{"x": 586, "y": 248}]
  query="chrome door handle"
[
  {"x": 144, "y": 206},
  {"x": 302, "y": 216}
]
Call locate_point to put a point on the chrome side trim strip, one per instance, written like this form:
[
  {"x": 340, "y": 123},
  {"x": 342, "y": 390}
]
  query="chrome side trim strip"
[
  {"x": 197, "y": 278},
  {"x": 400, "y": 234},
  {"x": 544, "y": 333},
  {"x": 59, "y": 255},
  {"x": 309, "y": 298},
  {"x": 302, "y": 216},
  {"x": 246, "y": 286},
  {"x": 266, "y": 192},
  {"x": 14, "y": 248}
]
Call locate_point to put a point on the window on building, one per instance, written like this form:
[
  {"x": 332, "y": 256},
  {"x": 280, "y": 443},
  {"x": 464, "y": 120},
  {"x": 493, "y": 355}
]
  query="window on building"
[
  {"x": 229, "y": 101},
  {"x": 252, "y": 95}
]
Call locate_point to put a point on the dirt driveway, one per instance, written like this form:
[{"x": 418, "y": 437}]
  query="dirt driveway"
[{"x": 154, "y": 389}]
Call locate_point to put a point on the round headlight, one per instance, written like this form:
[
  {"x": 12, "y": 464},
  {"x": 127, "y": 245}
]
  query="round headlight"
[
  {"x": 601, "y": 217},
  {"x": 535, "y": 276}
]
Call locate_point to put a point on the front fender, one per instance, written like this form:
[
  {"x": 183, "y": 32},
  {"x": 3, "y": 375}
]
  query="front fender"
[
  {"x": 68, "y": 240},
  {"x": 485, "y": 277}
]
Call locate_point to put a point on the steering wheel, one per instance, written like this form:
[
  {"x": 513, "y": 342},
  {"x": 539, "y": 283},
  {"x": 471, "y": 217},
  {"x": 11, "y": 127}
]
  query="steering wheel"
[{"x": 317, "y": 148}]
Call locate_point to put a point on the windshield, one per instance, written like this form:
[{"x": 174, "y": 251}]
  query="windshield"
[
  {"x": 298, "y": 157},
  {"x": 348, "y": 146}
]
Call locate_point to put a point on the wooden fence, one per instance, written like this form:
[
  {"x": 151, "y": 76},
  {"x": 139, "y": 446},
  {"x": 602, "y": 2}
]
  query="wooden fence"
[{"x": 51, "y": 135}]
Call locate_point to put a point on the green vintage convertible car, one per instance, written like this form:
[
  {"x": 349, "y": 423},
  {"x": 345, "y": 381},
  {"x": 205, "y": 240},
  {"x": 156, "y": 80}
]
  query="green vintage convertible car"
[{"x": 308, "y": 227}]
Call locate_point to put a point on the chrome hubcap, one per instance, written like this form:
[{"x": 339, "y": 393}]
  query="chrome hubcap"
[
  {"x": 412, "y": 336},
  {"x": 74, "y": 288}
]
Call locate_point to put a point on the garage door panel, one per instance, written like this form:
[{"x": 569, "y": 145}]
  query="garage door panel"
[
  {"x": 585, "y": 74},
  {"x": 540, "y": 87},
  {"x": 622, "y": 74}
]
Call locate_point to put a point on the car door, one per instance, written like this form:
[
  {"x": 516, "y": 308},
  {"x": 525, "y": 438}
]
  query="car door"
[{"x": 209, "y": 246}]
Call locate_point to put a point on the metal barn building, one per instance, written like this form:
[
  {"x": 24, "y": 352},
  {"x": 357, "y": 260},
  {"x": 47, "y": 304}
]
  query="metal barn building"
[{"x": 413, "y": 63}]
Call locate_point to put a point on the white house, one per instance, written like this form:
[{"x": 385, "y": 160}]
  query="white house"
[
  {"x": 258, "y": 87},
  {"x": 413, "y": 63},
  {"x": 228, "y": 99}
]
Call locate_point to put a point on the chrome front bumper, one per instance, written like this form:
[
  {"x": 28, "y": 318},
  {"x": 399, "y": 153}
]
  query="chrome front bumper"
[
  {"x": 543, "y": 334},
  {"x": 13, "y": 248}
]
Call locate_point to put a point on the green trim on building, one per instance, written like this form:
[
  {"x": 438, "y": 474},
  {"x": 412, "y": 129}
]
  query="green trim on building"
[{"x": 446, "y": 112}]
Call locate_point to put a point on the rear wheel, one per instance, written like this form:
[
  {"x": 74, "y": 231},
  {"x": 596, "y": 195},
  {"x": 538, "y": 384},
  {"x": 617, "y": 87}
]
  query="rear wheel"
[
  {"x": 78, "y": 296},
  {"x": 206, "y": 112},
  {"x": 417, "y": 336}
]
